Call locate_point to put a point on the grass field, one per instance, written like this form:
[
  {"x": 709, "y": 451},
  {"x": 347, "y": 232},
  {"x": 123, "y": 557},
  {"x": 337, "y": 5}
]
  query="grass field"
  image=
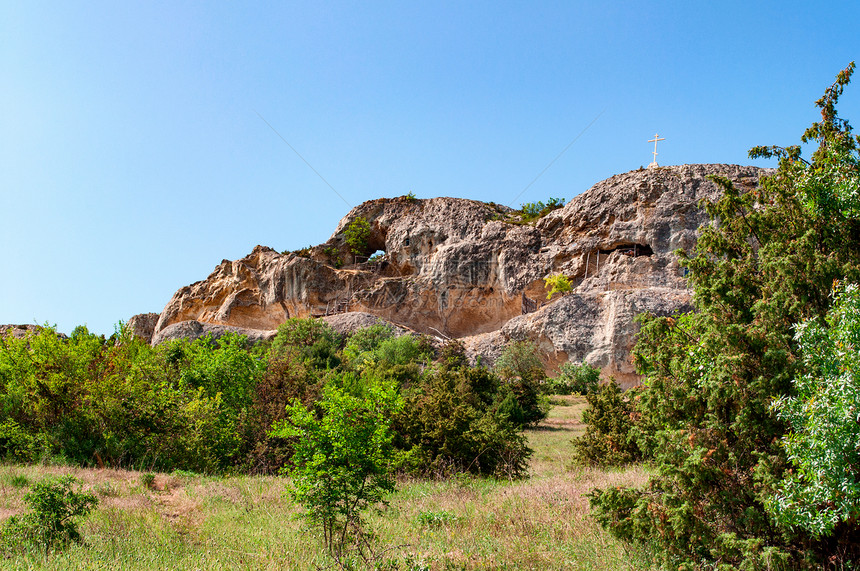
[{"x": 185, "y": 521}]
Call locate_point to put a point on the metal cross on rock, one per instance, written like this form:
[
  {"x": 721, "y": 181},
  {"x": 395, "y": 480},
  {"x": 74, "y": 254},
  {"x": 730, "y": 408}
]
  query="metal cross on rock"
[{"x": 654, "y": 140}]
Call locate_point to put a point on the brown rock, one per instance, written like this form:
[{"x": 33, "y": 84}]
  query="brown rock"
[
  {"x": 143, "y": 325},
  {"x": 19, "y": 331},
  {"x": 460, "y": 268},
  {"x": 192, "y": 330}
]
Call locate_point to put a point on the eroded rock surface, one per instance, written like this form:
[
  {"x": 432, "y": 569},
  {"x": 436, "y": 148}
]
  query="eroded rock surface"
[
  {"x": 22, "y": 331},
  {"x": 460, "y": 268},
  {"x": 143, "y": 325},
  {"x": 350, "y": 322},
  {"x": 192, "y": 329}
]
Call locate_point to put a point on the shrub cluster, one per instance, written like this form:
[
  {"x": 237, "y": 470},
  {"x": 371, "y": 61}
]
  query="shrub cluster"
[
  {"x": 357, "y": 234},
  {"x": 210, "y": 405},
  {"x": 573, "y": 379},
  {"x": 610, "y": 438},
  {"x": 533, "y": 210}
]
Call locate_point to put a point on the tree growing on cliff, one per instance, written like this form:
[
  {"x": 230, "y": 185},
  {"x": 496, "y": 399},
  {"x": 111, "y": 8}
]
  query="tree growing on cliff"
[
  {"x": 711, "y": 377},
  {"x": 357, "y": 234},
  {"x": 558, "y": 283}
]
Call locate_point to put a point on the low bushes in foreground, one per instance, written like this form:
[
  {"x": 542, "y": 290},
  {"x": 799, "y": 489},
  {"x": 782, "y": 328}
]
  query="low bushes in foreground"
[
  {"x": 209, "y": 405},
  {"x": 189, "y": 521}
]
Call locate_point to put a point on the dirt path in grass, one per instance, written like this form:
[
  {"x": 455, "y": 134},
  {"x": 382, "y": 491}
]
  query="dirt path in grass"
[{"x": 552, "y": 439}]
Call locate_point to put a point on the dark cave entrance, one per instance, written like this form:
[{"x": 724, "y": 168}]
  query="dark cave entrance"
[{"x": 631, "y": 250}]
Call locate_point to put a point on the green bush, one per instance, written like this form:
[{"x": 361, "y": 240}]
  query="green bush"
[
  {"x": 333, "y": 255},
  {"x": 225, "y": 367},
  {"x": 823, "y": 491},
  {"x": 453, "y": 354},
  {"x": 520, "y": 360},
  {"x": 401, "y": 350},
  {"x": 711, "y": 376},
  {"x": 451, "y": 423},
  {"x": 315, "y": 340},
  {"x": 301, "y": 252},
  {"x": 609, "y": 438},
  {"x": 357, "y": 234},
  {"x": 18, "y": 445},
  {"x": 55, "y": 505},
  {"x": 208, "y": 406},
  {"x": 521, "y": 369},
  {"x": 287, "y": 378},
  {"x": 533, "y": 210},
  {"x": 44, "y": 382},
  {"x": 148, "y": 416},
  {"x": 558, "y": 283},
  {"x": 364, "y": 341},
  {"x": 580, "y": 379},
  {"x": 123, "y": 403},
  {"x": 436, "y": 519},
  {"x": 343, "y": 460},
  {"x": 147, "y": 480}
]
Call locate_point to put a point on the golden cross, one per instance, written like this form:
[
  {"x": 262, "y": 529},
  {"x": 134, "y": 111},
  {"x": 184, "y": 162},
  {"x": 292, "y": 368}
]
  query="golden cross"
[{"x": 654, "y": 140}]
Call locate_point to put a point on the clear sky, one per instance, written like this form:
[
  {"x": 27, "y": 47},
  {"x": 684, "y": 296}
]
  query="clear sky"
[{"x": 133, "y": 156}]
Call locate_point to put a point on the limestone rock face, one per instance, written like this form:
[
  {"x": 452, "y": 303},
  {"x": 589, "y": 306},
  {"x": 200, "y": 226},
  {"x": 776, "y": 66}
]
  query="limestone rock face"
[
  {"x": 143, "y": 325},
  {"x": 22, "y": 331},
  {"x": 350, "y": 322},
  {"x": 452, "y": 267},
  {"x": 193, "y": 329},
  {"x": 596, "y": 327}
]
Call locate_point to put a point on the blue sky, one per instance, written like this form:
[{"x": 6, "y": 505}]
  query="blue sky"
[{"x": 133, "y": 158}]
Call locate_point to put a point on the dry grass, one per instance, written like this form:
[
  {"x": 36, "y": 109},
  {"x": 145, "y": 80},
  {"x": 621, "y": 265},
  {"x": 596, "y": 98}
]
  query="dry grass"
[
  {"x": 541, "y": 523},
  {"x": 197, "y": 522}
]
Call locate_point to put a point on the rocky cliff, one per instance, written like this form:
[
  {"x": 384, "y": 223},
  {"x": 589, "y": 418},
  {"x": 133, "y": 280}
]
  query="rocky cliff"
[{"x": 459, "y": 268}]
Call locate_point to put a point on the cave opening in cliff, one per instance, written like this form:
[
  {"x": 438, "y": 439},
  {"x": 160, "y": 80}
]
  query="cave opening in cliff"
[
  {"x": 373, "y": 249},
  {"x": 631, "y": 250},
  {"x": 373, "y": 258}
]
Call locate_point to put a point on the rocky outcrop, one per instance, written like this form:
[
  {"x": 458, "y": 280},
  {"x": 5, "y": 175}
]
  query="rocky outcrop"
[
  {"x": 459, "y": 268},
  {"x": 143, "y": 325},
  {"x": 193, "y": 329},
  {"x": 19, "y": 331},
  {"x": 595, "y": 327},
  {"x": 350, "y": 322}
]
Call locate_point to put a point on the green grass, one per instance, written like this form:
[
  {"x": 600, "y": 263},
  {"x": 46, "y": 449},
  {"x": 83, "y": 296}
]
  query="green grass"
[
  {"x": 183, "y": 521},
  {"x": 551, "y": 440}
]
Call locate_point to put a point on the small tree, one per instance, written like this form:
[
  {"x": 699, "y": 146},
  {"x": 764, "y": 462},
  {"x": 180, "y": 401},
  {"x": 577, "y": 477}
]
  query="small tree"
[
  {"x": 357, "y": 233},
  {"x": 314, "y": 339},
  {"x": 343, "y": 461},
  {"x": 608, "y": 437},
  {"x": 54, "y": 507},
  {"x": 711, "y": 376},
  {"x": 520, "y": 367},
  {"x": 558, "y": 283},
  {"x": 533, "y": 210},
  {"x": 572, "y": 378}
]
